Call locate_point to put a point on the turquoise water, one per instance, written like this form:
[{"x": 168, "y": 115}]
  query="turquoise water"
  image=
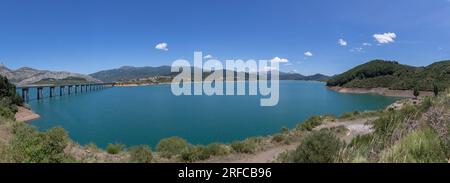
[{"x": 144, "y": 115}]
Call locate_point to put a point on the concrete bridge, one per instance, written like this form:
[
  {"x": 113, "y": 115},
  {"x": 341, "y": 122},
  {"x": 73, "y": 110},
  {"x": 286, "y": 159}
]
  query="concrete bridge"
[{"x": 64, "y": 89}]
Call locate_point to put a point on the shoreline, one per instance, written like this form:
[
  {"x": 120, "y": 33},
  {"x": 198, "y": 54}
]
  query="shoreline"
[
  {"x": 25, "y": 115},
  {"x": 190, "y": 82},
  {"x": 380, "y": 91}
]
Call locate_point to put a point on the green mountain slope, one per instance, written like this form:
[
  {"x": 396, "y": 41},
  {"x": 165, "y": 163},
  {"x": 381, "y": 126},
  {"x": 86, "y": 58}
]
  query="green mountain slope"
[
  {"x": 392, "y": 75},
  {"x": 128, "y": 73}
]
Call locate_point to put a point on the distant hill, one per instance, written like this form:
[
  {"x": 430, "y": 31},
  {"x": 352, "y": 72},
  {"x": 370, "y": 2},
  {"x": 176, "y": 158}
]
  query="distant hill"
[
  {"x": 296, "y": 76},
  {"x": 392, "y": 75},
  {"x": 27, "y": 76},
  {"x": 128, "y": 73}
]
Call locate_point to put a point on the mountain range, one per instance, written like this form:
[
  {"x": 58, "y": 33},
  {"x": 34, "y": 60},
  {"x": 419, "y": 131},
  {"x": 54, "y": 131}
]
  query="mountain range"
[
  {"x": 373, "y": 74},
  {"x": 127, "y": 73},
  {"x": 28, "y": 76}
]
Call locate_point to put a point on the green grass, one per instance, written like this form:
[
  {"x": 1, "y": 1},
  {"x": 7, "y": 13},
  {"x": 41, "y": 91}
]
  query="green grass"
[{"x": 421, "y": 146}]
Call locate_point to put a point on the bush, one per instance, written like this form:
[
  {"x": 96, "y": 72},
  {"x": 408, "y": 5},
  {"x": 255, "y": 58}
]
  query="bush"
[
  {"x": 216, "y": 149},
  {"x": 171, "y": 146},
  {"x": 246, "y": 146},
  {"x": 195, "y": 153},
  {"x": 6, "y": 111},
  {"x": 141, "y": 154},
  {"x": 339, "y": 130},
  {"x": 8, "y": 93},
  {"x": 318, "y": 147},
  {"x": 416, "y": 92},
  {"x": 284, "y": 130},
  {"x": 423, "y": 146},
  {"x": 435, "y": 90},
  {"x": 310, "y": 123},
  {"x": 31, "y": 146},
  {"x": 278, "y": 138},
  {"x": 92, "y": 146},
  {"x": 115, "y": 148}
]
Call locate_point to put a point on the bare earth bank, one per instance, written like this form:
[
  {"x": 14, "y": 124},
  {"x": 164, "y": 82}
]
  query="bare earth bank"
[
  {"x": 23, "y": 114},
  {"x": 381, "y": 91}
]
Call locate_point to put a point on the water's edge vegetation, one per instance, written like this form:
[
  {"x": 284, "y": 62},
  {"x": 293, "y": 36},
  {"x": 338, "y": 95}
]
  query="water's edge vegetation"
[{"x": 415, "y": 132}]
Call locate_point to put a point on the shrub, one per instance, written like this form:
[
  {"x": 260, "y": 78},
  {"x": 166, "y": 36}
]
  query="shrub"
[
  {"x": 246, "y": 146},
  {"x": 6, "y": 111},
  {"x": 171, "y": 146},
  {"x": 435, "y": 90},
  {"x": 141, "y": 154},
  {"x": 194, "y": 153},
  {"x": 92, "y": 146},
  {"x": 31, "y": 146},
  {"x": 422, "y": 146},
  {"x": 339, "y": 130},
  {"x": 216, "y": 149},
  {"x": 8, "y": 94},
  {"x": 284, "y": 129},
  {"x": 416, "y": 92},
  {"x": 115, "y": 148},
  {"x": 55, "y": 141},
  {"x": 310, "y": 123},
  {"x": 278, "y": 138},
  {"x": 318, "y": 147}
]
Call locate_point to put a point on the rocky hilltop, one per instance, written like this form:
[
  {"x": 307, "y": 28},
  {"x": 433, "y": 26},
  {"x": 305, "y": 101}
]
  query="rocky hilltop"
[{"x": 27, "y": 76}]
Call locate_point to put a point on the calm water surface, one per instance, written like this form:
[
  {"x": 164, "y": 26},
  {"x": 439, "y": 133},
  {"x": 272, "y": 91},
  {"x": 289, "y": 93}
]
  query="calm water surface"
[{"x": 144, "y": 115}]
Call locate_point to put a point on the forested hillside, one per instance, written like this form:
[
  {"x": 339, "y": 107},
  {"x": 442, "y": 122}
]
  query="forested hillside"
[{"x": 392, "y": 75}]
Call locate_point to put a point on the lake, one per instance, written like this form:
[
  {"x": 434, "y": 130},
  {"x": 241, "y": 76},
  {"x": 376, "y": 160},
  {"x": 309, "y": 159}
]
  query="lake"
[{"x": 145, "y": 115}]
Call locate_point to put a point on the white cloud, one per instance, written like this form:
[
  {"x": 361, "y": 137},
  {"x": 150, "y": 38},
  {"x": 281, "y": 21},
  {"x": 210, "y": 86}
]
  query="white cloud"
[
  {"x": 279, "y": 60},
  {"x": 342, "y": 42},
  {"x": 162, "y": 46},
  {"x": 208, "y": 57},
  {"x": 367, "y": 44},
  {"x": 384, "y": 38},
  {"x": 267, "y": 69},
  {"x": 358, "y": 49},
  {"x": 308, "y": 54}
]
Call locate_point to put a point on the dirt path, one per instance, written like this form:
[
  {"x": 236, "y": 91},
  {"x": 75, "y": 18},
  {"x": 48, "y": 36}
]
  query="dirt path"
[
  {"x": 265, "y": 156},
  {"x": 355, "y": 127}
]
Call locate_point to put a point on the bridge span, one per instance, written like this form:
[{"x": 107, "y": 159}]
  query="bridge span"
[{"x": 64, "y": 89}]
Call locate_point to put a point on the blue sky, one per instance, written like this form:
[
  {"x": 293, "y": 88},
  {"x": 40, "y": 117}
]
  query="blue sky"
[{"x": 89, "y": 35}]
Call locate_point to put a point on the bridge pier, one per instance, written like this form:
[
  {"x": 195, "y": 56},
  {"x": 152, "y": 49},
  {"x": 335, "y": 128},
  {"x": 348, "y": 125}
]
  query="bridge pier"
[
  {"x": 52, "y": 91},
  {"x": 61, "y": 90},
  {"x": 69, "y": 89},
  {"x": 40, "y": 93},
  {"x": 25, "y": 96},
  {"x": 76, "y": 89}
]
